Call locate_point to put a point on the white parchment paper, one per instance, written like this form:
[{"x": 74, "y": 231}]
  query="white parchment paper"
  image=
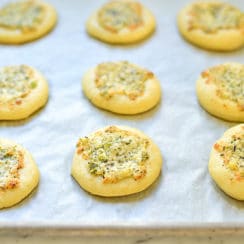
[{"x": 184, "y": 132}]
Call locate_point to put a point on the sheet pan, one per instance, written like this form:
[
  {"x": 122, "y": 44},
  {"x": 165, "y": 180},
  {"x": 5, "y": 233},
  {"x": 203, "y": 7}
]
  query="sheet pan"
[{"x": 184, "y": 195}]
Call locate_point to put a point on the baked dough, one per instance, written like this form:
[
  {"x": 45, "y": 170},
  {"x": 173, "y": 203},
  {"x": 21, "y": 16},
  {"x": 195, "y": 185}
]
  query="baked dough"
[
  {"x": 121, "y": 87},
  {"x": 212, "y": 25},
  {"x": 116, "y": 161},
  {"x": 25, "y": 21},
  {"x": 121, "y": 22},
  {"x": 19, "y": 174},
  {"x": 226, "y": 164},
  {"x": 23, "y": 90},
  {"x": 220, "y": 91}
]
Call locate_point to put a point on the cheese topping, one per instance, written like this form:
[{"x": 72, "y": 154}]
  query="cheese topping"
[
  {"x": 121, "y": 78},
  {"x": 16, "y": 82},
  {"x": 23, "y": 15},
  {"x": 117, "y": 15},
  {"x": 232, "y": 154},
  {"x": 213, "y": 16},
  {"x": 11, "y": 161},
  {"x": 229, "y": 81},
  {"x": 115, "y": 154}
]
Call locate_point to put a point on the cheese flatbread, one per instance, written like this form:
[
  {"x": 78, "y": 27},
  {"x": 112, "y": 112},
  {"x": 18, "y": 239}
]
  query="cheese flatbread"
[
  {"x": 116, "y": 161},
  {"x": 121, "y": 22},
  {"x": 226, "y": 164},
  {"x": 25, "y": 21},
  {"x": 212, "y": 25},
  {"x": 19, "y": 174},
  {"x": 220, "y": 91},
  {"x": 23, "y": 90},
  {"x": 121, "y": 87}
]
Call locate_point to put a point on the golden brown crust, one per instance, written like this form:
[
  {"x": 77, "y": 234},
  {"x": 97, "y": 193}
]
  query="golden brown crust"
[
  {"x": 119, "y": 102},
  {"x": 130, "y": 34},
  {"x": 18, "y": 36},
  {"x": 27, "y": 180},
  {"x": 224, "y": 39},
  {"x": 23, "y": 106},
  {"x": 226, "y": 162},
  {"x": 213, "y": 96},
  {"x": 96, "y": 185}
]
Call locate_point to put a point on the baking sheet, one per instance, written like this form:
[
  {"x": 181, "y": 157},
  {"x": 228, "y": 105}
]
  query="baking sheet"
[{"x": 185, "y": 193}]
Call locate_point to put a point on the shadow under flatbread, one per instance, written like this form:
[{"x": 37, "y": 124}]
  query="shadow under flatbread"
[
  {"x": 24, "y": 201},
  {"x": 132, "y": 117},
  {"x": 233, "y": 202},
  {"x": 216, "y": 120},
  {"x": 130, "y": 198},
  {"x": 227, "y": 53},
  {"x": 125, "y": 45},
  {"x": 15, "y": 123}
]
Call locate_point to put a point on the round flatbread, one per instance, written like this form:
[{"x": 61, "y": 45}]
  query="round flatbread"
[
  {"x": 121, "y": 87},
  {"x": 19, "y": 174},
  {"x": 121, "y": 22},
  {"x": 23, "y": 90},
  {"x": 220, "y": 91},
  {"x": 116, "y": 161},
  {"x": 212, "y": 25},
  {"x": 226, "y": 164},
  {"x": 25, "y": 21}
]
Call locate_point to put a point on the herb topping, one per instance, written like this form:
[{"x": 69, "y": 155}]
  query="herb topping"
[
  {"x": 229, "y": 81},
  {"x": 23, "y": 15},
  {"x": 115, "y": 154},
  {"x": 232, "y": 154},
  {"x": 211, "y": 17},
  {"x": 117, "y": 15},
  {"x": 121, "y": 78},
  {"x": 11, "y": 160},
  {"x": 16, "y": 82}
]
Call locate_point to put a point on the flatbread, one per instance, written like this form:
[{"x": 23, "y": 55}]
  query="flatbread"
[
  {"x": 23, "y": 90},
  {"x": 116, "y": 161},
  {"x": 226, "y": 164},
  {"x": 212, "y": 25},
  {"x": 25, "y": 21},
  {"x": 19, "y": 174},
  {"x": 121, "y": 87},
  {"x": 121, "y": 22},
  {"x": 220, "y": 90}
]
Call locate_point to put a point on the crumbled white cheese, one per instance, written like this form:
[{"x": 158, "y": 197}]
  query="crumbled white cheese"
[
  {"x": 117, "y": 15},
  {"x": 229, "y": 81},
  {"x": 115, "y": 154},
  {"x": 211, "y": 17},
  {"x": 232, "y": 153},
  {"x": 23, "y": 15},
  {"x": 15, "y": 82},
  {"x": 10, "y": 163},
  {"x": 121, "y": 78}
]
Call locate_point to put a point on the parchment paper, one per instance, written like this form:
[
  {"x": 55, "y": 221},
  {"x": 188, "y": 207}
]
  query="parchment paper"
[{"x": 184, "y": 132}]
